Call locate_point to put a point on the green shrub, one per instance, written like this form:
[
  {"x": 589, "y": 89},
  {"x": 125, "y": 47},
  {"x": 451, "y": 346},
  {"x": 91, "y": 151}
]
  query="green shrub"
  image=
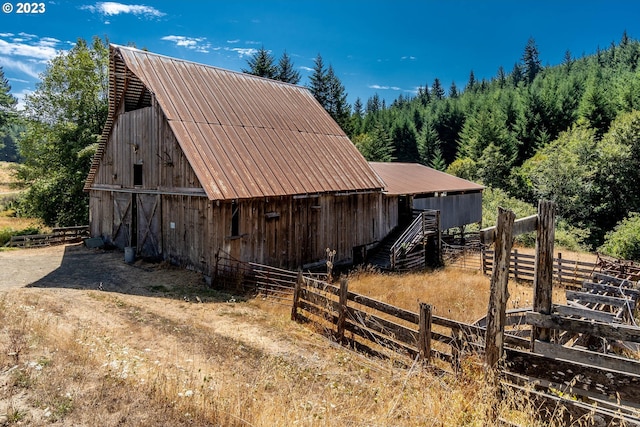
[
  {"x": 7, "y": 232},
  {"x": 624, "y": 240}
]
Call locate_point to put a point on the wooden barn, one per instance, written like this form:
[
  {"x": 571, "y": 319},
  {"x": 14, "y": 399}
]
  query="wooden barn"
[
  {"x": 195, "y": 159},
  {"x": 413, "y": 186}
]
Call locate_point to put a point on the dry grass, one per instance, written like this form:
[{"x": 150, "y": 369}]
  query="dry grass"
[
  {"x": 130, "y": 361},
  {"x": 453, "y": 293}
]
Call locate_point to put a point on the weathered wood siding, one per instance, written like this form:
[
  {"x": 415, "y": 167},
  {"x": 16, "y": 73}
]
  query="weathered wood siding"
[
  {"x": 455, "y": 209},
  {"x": 143, "y": 137},
  {"x": 170, "y": 216}
]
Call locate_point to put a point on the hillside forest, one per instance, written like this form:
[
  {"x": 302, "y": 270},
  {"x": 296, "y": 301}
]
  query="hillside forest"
[{"x": 568, "y": 132}]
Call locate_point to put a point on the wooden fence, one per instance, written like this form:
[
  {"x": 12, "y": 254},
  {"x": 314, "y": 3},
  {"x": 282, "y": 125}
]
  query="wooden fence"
[
  {"x": 566, "y": 272},
  {"x": 58, "y": 235},
  {"x": 581, "y": 380}
]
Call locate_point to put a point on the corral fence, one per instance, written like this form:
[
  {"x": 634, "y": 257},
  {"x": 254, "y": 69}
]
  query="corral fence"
[
  {"x": 58, "y": 235},
  {"x": 566, "y": 272}
]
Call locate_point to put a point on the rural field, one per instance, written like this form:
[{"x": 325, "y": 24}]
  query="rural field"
[{"x": 90, "y": 340}]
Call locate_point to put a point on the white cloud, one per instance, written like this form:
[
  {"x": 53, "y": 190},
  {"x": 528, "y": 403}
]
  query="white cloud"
[
  {"x": 306, "y": 69},
  {"x": 242, "y": 52},
  {"x": 379, "y": 87},
  {"x": 199, "y": 44},
  {"x": 233, "y": 41},
  {"x": 41, "y": 50},
  {"x": 111, "y": 8},
  {"x": 20, "y": 66},
  {"x": 410, "y": 58},
  {"x": 20, "y": 96}
]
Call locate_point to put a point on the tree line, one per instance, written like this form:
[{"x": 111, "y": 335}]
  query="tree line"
[{"x": 568, "y": 132}]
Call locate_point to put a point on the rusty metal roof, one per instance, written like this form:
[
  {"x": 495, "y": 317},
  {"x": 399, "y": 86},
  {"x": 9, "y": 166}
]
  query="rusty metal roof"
[
  {"x": 414, "y": 178},
  {"x": 243, "y": 135}
]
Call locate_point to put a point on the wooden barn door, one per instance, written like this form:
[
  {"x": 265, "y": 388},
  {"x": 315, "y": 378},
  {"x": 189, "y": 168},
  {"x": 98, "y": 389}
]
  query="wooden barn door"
[
  {"x": 121, "y": 235},
  {"x": 149, "y": 239}
]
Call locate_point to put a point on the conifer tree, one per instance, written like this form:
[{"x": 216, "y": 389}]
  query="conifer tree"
[
  {"x": 453, "y": 90},
  {"x": 437, "y": 161},
  {"x": 471, "y": 84},
  {"x": 286, "y": 71},
  {"x": 7, "y": 103},
  {"x": 262, "y": 64},
  {"x": 437, "y": 91},
  {"x": 531, "y": 61}
]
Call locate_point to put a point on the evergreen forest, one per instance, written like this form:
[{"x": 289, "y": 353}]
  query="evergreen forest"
[{"x": 567, "y": 132}]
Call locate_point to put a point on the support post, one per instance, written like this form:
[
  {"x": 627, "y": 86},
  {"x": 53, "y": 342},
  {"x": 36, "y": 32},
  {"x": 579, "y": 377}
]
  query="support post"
[
  {"x": 496, "y": 313},
  {"x": 515, "y": 264},
  {"x": 559, "y": 268},
  {"x": 424, "y": 333},
  {"x": 296, "y": 297},
  {"x": 543, "y": 280},
  {"x": 342, "y": 314}
]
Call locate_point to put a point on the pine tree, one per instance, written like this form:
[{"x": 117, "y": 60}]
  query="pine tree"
[
  {"x": 376, "y": 146},
  {"x": 453, "y": 90},
  {"x": 516, "y": 75},
  {"x": 437, "y": 161},
  {"x": 7, "y": 103},
  {"x": 437, "y": 91},
  {"x": 337, "y": 104},
  {"x": 501, "y": 78},
  {"x": 286, "y": 70},
  {"x": 262, "y": 64},
  {"x": 318, "y": 82},
  {"x": 471, "y": 84},
  {"x": 531, "y": 61}
]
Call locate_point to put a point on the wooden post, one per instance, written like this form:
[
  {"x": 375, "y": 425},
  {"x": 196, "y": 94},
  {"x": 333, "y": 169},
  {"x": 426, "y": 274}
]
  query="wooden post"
[
  {"x": 424, "y": 333},
  {"x": 342, "y": 314},
  {"x": 515, "y": 263},
  {"x": 496, "y": 313},
  {"x": 559, "y": 268},
  {"x": 439, "y": 259},
  {"x": 484, "y": 261},
  {"x": 543, "y": 280},
  {"x": 296, "y": 296}
]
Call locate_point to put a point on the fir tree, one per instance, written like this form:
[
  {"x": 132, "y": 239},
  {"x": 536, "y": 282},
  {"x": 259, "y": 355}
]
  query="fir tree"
[
  {"x": 453, "y": 90},
  {"x": 262, "y": 64},
  {"x": 286, "y": 70},
  {"x": 437, "y": 91},
  {"x": 531, "y": 61}
]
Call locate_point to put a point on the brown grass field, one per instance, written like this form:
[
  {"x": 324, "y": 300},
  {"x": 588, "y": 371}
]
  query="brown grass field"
[{"x": 138, "y": 350}]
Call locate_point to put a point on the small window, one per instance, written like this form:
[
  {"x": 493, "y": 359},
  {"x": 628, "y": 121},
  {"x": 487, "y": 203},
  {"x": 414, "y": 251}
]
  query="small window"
[
  {"x": 137, "y": 175},
  {"x": 235, "y": 219}
]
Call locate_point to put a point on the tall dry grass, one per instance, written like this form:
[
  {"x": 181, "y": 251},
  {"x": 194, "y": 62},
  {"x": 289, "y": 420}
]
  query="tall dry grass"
[
  {"x": 142, "y": 367},
  {"x": 454, "y": 293}
]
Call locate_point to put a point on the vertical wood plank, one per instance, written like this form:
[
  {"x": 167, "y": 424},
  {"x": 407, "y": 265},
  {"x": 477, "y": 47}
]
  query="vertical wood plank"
[
  {"x": 424, "y": 333},
  {"x": 543, "y": 280},
  {"x": 342, "y": 315},
  {"x": 296, "y": 297},
  {"x": 496, "y": 313}
]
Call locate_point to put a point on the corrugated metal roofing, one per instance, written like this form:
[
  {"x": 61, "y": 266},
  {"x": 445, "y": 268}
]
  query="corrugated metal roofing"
[
  {"x": 243, "y": 135},
  {"x": 414, "y": 178}
]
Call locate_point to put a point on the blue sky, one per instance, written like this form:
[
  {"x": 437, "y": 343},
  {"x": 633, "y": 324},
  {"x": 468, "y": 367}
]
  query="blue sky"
[{"x": 384, "y": 47}]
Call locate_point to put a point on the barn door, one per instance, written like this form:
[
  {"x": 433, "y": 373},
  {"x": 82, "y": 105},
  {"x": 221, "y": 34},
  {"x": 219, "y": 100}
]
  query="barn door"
[
  {"x": 121, "y": 234},
  {"x": 148, "y": 225}
]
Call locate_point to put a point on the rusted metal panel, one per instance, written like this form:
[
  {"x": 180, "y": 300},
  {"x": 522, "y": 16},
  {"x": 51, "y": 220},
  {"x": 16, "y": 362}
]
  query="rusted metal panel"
[
  {"x": 269, "y": 138},
  {"x": 414, "y": 178}
]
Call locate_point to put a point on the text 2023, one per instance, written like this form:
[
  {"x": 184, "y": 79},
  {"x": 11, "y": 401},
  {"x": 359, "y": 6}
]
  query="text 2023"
[{"x": 30, "y": 8}]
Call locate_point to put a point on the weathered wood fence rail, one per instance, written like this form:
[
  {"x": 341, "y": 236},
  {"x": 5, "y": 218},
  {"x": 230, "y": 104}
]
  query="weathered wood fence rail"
[
  {"x": 374, "y": 325},
  {"x": 566, "y": 272},
  {"x": 58, "y": 235}
]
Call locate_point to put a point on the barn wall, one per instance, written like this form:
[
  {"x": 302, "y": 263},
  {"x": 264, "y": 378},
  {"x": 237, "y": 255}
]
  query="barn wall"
[
  {"x": 455, "y": 210},
  {"x": 283, "y": 231},
  {"x": 143, "y": 137}
]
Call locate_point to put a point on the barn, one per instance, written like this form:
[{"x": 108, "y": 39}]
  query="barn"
[
  {"x": 417, "y": 187},
  {"x": 197, "y": 161}
]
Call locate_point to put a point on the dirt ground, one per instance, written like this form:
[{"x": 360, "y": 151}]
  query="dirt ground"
[{"x": 96, "y": 291}]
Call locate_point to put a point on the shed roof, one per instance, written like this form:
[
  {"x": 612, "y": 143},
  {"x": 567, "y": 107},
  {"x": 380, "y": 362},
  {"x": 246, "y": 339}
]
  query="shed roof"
[
  {"x": 243, "y": 135},
  {"x": 414, "y": 178}
]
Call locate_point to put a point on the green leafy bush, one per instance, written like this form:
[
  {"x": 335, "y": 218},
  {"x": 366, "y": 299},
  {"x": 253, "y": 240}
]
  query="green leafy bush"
[{"x": 624, "y": 240}]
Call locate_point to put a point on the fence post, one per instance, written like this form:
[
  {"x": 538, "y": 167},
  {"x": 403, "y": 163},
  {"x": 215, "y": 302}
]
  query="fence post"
[
  {"x": 543, "y": 280},
  {"x": 496, "y": 313},
  {"x": 515, "y": 263},
  {"x": 484, "y": 261},
  {"x": 560, "y": 268},
  {"x": 424, "y": 333},
  {"x": 296, "y": 296},
  {"x": 342, "y": 314}
]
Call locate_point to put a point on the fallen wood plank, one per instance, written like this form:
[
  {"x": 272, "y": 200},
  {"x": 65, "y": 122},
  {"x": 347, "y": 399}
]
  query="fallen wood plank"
[
  {"x": 615, "y": 331},
  {"x": 574, "y": 308},
  {"x": 605, "y": 278},
  {"x": 587, "y": 357},
  {"x": 600, "y": 299},
  {"x": 610, "y": 289}
]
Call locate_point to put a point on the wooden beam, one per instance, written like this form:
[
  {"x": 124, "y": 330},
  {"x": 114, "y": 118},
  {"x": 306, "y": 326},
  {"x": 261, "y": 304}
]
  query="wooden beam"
[
  {"x": 520, "y": 226},
  {"x": 614, "y": 331},
  {"x": 496, "y": 312},
  {"x": 543, "y": 278},
  {"x": 586, "y": 357},
  {"x": 600, "y": 299}
]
